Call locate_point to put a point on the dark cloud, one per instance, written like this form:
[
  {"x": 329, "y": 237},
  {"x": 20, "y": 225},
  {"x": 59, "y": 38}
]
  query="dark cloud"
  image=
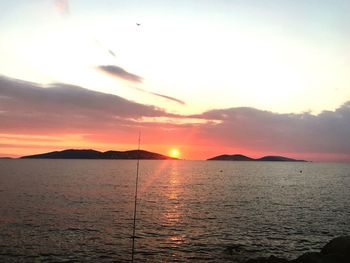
[
  {"x": 267, "y": 131},
  {"x": 24, "y": 104},
  {"x": 111, "y": 53},
  {"x": 108, "y": 50},
  {"x": 121, "y": 73},
  {"x": 160, "y": 95},
  {"x": 168, "y": 98},
  {"x": 27, "y": 108}
]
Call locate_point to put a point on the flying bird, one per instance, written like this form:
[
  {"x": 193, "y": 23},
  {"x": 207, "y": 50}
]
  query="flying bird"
[{"x": 138, "y": 24}]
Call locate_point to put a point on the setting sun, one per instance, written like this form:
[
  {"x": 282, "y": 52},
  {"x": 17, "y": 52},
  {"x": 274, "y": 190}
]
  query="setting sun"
[{"x": 174, "y": 153}]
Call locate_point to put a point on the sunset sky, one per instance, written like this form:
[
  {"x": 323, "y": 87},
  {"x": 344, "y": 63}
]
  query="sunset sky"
[{"x": 257, "y": 77}]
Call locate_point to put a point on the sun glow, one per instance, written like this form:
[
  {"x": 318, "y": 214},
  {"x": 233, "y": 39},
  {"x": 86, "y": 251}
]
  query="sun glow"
[{"x": 175, "y": 153}]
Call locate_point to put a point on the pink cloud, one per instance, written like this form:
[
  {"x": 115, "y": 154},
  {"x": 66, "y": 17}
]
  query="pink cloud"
[
  {"x": 264, "y": 131},
  {"x": 28, "y": 108}
]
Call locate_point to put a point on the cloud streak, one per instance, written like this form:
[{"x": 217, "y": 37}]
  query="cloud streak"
[
  {"x": 167, "y": 97},
  {"x": 160, "y": 95},
  {"x": 121, "y": 73},
  {"x": 108, "y": 50},
  {"x": 111, "y": 53}
]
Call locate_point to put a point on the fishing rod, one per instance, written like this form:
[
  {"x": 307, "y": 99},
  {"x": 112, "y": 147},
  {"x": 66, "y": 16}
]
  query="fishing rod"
[{"x": 135, "y": 202}]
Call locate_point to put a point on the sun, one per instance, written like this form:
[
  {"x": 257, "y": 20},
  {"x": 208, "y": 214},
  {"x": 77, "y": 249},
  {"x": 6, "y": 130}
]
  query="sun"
[{"x": 175, "y": 153}]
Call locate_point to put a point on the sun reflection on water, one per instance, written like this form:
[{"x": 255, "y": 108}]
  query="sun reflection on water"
[
  {"x": 173, "y": 208},
  {"x": 173, "y": 217}
]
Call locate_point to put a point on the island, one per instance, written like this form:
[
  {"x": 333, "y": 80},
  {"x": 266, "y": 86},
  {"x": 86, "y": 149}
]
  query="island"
[
  {"x": 241, "y": 157},
  {"x": 93, "y": 154},
  {"x": 233, "y": 157}
]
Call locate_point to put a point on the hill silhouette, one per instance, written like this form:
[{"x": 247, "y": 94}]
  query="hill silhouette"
[
  {"x": 93, "y": 154},
  {"x": 241, "y": 157},
  {"x": 233, "y": 157}
]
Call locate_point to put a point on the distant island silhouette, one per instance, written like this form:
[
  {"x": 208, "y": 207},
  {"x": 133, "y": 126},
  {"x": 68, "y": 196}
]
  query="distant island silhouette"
[
  {"x": 241, "y": 157},
  {"x": 93, "y": 154},
  {"x": 143, "y": 155}
]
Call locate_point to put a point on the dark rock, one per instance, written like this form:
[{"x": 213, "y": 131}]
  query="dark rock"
[
  {"x": 338, "y": 246},
  {"x": 335, "y": 251},
  {"x": 271, "y": 259},
  {"x": 233, "y": 249},
  {"x": 335, "y": 258},
  {"x": 309, "y": 257}
]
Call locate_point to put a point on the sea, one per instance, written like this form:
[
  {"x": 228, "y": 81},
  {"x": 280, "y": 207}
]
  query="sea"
[{"x": 187, "y": 211}]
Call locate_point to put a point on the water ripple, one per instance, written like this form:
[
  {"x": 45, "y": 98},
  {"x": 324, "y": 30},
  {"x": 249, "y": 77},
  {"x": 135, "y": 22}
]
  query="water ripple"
[{"x": 81, "y": 211}]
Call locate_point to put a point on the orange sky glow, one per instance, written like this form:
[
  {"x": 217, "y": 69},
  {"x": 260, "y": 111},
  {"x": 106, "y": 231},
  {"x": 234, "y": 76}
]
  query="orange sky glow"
[{"x": 219, "y": 77}]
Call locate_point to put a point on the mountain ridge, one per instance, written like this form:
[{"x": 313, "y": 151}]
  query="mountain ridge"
[
  {"x": 93, "y": 154},
  {"x": 241, "y": 157}
]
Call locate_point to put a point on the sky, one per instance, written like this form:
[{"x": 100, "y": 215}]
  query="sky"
[{"x": 267, "y": 77}]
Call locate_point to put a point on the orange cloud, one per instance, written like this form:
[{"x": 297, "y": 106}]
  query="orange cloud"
[{"x": 87, "y": 119}]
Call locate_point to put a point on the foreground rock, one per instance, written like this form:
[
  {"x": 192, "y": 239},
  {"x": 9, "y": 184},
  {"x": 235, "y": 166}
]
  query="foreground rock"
[
  {"x": 339, "y": 246},
  {"x": 271, "y": 259},
  {"x": 335, "y": 251}
]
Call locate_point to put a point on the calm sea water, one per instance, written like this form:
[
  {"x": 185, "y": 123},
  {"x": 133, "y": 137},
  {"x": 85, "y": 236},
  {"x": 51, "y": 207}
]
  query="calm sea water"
[{"x": 189, "y": 211}]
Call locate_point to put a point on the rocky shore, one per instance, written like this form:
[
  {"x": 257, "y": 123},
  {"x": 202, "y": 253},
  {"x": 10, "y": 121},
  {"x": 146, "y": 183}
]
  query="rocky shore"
[{"x": 335, "y": 251}]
